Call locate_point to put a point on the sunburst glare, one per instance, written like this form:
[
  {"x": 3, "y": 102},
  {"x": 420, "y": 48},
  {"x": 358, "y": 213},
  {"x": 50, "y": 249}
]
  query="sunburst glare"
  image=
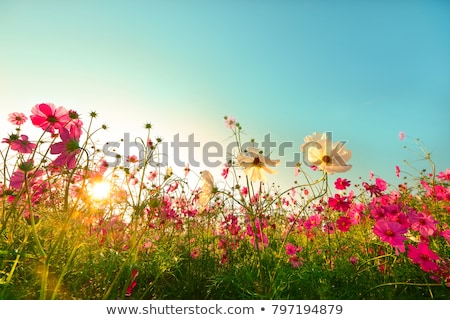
[{"x": 100, "y": 190}]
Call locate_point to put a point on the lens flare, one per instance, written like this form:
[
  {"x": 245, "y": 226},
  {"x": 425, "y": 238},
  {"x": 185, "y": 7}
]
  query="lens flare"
[{"x": 100, "y": 190}]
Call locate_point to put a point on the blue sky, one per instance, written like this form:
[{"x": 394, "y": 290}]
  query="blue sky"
[{"x": 363, "y": 70}]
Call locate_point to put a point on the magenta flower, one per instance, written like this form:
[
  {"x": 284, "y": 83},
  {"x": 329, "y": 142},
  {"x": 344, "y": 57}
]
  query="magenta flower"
[
  {"x": 25, "y": 170},
  {"x": 397, "y": 171},
  {"x": 381, "y": 184},
  {"x": 340, "y": 203},
  {"x": 133, "y": 282},
  {"x": 446, "y": 235},
  {"x": 17, "y": 118},
  {"x": 341, "y": 184},
  {"x": 22, "y": 145},
  {"x": 423, "y": 223},
  {"x": 225, "y": 171},
  {"x": 377, "y": 188},
  {"x": 48, "y": 117},
  {"x": 423, "y": 256},
  {"x": 444, "y": 175},
  {"x": 401, "y": 135},
  {"x": 343, "y": 223},
  {"x": 391, "y": 232},
  {"x": 313, "y": 221},
  {"x": 68, "y": 148},
  {"x": 291, "y": 249}
]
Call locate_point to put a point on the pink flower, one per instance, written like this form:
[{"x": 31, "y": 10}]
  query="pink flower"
[
  {"x": 341, "y": 184},
  {"x": 25, "y": 170},
  {"x": 48, "y": 117},
  {"x": 423, "y": 223},
  {"x": 17, "y": 118},
  {"x": 340, "y": 203},
  {"x": 329, "y": 227},
  {"x": 353, "y": 260},
  {"x": 296, "y": 262},
  {"x": 291, "y": 249},
  {"x": 225, "y": 171},
  {"x": 230, "y": 122},
  {"x": 444, "y": 175},
  {"x": 186, "y": 170},
  {"x": 152, "y": 175},
  {"x": 132, "y": 159},
  {"x": 75, "y": 123},
  {"x": 354, "y": 213},
  {"x": 423, "y": 256},
  {"x": 343, "y": 223},
  {"x": 68, "y": 148},
  {"x": 312, "y": 221},
  {"x": 381, "y": 184},
  {"x": 397, "y": 171},
  {"x": 377, "y": 188},
  {"x": 133, "y": 282},
  {"x": 293, "y": 192},
  {"x": 371, "y": 175},
  {"x": 401, "y": 135},
  {"x": 391, "y": 232},
  {"x": 195, "y": 253},
  {"x": 23, "y": 145},
  {"x": 446, "y": 235}
]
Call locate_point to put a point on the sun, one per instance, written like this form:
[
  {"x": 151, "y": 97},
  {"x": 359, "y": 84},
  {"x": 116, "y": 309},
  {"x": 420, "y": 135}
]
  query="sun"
[{"x": 100, "y": 190}]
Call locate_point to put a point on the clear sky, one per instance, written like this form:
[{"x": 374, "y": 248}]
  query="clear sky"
[{"x": 363, "y": 70}]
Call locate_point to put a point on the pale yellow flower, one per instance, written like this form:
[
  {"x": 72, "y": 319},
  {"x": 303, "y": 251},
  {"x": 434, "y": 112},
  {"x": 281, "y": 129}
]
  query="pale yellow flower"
[
  {"x": 255, "y": 164},
  {"x": 320, "y": 152},
  {"x": 206, "y": 190}
]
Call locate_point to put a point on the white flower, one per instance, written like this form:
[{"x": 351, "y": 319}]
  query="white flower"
[
  {"x": 319, "y": 151},
  {"x": 255, "y": 163},
  {"x": 206, "y": 190}
]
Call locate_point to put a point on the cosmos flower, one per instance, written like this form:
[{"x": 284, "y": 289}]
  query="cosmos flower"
[
  {"x": 255, "y": 164},
  {"x": 23, "y": 145},
  {"x": 19, "y": 143},
  {"x": 68, "y": 148},
  {"x": 48, "y": 117},
  {"x": 342, "y": 184},
  {"x": 423, "y": 256},
  {"x": 291, "y": 249},
  {"x": 391, "y": 232},
  {"x": 206, "y": 190},
  {"x": 230, "y": 122},
  {"x": 423, "y": 223},
  {"x": 17, "y": 118},
  {"x": 343, "y": 223},
  {"x": 319, "y": 152}
]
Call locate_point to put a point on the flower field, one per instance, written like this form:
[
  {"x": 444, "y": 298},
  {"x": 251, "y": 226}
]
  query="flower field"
[{"x": 74, "y": 226}]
